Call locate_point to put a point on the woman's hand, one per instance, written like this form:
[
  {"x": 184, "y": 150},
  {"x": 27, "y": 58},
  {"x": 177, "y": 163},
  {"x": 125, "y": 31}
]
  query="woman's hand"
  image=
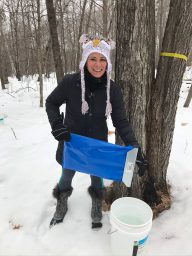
[
  {"x": 141, "y": 162},
  {"x": 61, "y": 133}
]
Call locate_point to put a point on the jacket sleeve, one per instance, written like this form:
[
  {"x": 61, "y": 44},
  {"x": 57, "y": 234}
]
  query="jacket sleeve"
[
  {"x": 58, "y": 97},
  {"x": 119, "y": 118}
]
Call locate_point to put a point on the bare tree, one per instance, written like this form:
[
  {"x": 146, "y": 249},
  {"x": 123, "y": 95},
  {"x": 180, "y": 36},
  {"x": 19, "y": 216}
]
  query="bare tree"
[
  {"x": 3, "y": 77},
  {"x": 1, "y": 51},
  {"x": 39, "y": 52},
  {"x": 54, "y": 38},
  {"x": 25, "y": 28},
  {"x": 112, "y": 21},
  {"x": 62, "y": 7},
  {"x": 80, "y": 32},
  {"x": 105, "y": 18},
  {"x": 13, "y": 8},
  {"x": 47, "y": 58},
  {"x": 165, "y": 90},
  {"x": 188, "y": 99},
  {"x": 4, "y": 56},
  {"x": 135, "y": 65},
  {"x": 89, "y": 18}
]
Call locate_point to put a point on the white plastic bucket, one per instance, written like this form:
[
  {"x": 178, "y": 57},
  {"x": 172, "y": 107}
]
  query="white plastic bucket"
[{"x": 131, "y": 221}]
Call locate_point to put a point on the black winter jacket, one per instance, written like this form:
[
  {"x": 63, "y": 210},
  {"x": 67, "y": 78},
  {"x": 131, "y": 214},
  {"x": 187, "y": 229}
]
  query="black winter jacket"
[{"x": 93, "y": 124}]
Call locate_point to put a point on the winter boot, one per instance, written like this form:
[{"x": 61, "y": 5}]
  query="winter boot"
[
  {"x": 96, "y": 210},
  {"x": 61, "y": 208}
]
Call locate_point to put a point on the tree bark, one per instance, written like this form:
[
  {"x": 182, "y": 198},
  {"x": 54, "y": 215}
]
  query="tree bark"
[
  {"x": 48, "y": 56},
  {"x": 26, "y": 44},
  {"x": 112, "y": 19},
  {"x": 79, "y": 33},
  {"x": 54, "y": 38},
  {"x": 39, "y": 53},
  {"x": 4, "y": 57},
  {"x": 162, "y": 7},
  {"x": 32, "y": 52},
  {"x": 63, "y": 36},
  {"x": 105, "y": 20},
  {"x": 189, "y": 97},
  {"x": 135, "y": 63},
  {"x": 14, "y": 24},
  {"x": 165, "y": 90},
  {"x": 89, "y": 17},
  {"x": 134, "y": 71}
]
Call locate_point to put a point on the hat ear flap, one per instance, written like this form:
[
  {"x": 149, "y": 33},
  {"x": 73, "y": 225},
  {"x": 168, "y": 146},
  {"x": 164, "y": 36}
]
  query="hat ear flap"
[
  {"x": 83, "y": 39},
  {"x": 112, "y": 44}
]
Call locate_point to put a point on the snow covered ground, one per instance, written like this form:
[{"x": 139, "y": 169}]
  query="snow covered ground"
[{"x": 28, "y": 172}]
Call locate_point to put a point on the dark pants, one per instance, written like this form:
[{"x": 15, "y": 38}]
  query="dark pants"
[{"x": 65, "y": 181}]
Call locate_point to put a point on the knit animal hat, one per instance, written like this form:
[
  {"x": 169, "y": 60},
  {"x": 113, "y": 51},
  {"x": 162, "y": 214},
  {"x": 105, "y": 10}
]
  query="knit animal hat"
[{"x": 92, "y": 44}]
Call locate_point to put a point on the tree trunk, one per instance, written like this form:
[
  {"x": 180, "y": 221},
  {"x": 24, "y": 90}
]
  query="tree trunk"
[
  {"x": 135, "y": 63},
  {"x": 54, "y": 38},
  {"x": 13, "y": 17},
  {"x": 89, "y": 17},
  {"x": 26, "y": 44},
  {"x": 110, "y": 28},
  {"x": 1, "y": 57},
  {"x": 71, "y": 32},
  {"x": 80, "y": 32},
  {"x": 161, "y": 24},
  {"x": 4, "y": 58},
  {"x": 188, "y": 100},
  {"x": 165, "y": 91},
  {"x": 48, "y": 57},
  {"x": 162, "y": 7},
  {"x": 32, "y": 28},
  {"x": 39, "y": 53},
  {"x": 2, "y": 82},
  {"x": 105, "y": 21},
  {"x": 2, "y": 76},
  {"x": 134, "y": 71},
  {"x": 63, "y": 47}
]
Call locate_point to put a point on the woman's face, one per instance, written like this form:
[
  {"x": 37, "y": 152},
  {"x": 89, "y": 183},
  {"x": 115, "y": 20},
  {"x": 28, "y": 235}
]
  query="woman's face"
[{"x": 96, "y": 64}]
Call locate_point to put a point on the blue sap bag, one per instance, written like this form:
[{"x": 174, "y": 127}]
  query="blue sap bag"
[{"x": 98, "y": 158}]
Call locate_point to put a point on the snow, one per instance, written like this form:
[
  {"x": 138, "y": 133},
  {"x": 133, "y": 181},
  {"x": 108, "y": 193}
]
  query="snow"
[{"x": 28, "y": 173}]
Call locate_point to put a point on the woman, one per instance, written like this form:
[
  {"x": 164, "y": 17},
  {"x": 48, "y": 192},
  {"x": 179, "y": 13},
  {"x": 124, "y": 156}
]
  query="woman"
[{"x": 90, "y": 97}]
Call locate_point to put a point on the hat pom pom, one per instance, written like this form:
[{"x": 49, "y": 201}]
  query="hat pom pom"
[
  {"x": 112, "y": 44},
  {"x": 83, "y": 39}
]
